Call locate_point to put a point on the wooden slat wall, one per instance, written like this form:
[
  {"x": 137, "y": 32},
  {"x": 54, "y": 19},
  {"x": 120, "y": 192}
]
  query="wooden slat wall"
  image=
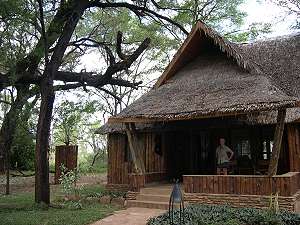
[
  {"x": 66, "y": 155},
  {"x": 285, "y": 185},
  {"x": 119, "y": 170},
  {"x": 294, "y": 147},
  {"x": 117, "y": 167},
  {"x": 153, "y": 161}
]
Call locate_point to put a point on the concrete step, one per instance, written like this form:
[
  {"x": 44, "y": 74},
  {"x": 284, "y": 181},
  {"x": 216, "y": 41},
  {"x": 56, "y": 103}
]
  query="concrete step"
[
  {"x": 148, "y": 204},
  {"x": 156, "y": 191},
  {"x": 153, "y": 197}
]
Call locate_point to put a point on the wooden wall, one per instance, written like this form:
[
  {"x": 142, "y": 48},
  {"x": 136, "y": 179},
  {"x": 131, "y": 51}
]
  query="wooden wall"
[
  {"x": 153, "y": 162},
  {"x": 66, "y": 155},
  {"x": 285, "y": 185},
  {"x": 119, "y": 169},
  {"x": 294, "y": 147},
  {"x": 174, "y": 142}
]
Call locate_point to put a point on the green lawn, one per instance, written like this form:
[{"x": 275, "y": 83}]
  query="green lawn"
[{"x": 19, "y": 209}]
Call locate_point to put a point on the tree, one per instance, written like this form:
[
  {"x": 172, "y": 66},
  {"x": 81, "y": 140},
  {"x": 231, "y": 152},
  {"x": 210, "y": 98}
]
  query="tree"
[
  {"x": 22, "y": 150},
  {"x": 66, "y": 123},
  {"x": 70, "y": 119},
  {"x": 52, "y": 45},
  {"x": 53, "y": 36}
]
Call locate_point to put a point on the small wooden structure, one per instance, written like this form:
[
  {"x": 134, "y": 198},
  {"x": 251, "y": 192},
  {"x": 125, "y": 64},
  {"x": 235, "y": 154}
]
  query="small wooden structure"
[
  {"x": 246, "y": 93},
  {"x": 65, "y": 155}
]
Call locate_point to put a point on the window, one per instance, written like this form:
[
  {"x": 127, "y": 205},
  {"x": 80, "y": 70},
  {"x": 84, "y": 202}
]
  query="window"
[
  {"x": 267, "y": 149},
  {"x": 243, "y": 148}
]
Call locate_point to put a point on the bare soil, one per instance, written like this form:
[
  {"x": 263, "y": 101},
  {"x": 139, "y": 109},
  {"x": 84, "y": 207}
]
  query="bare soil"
[{"x": 26, "y": 184}]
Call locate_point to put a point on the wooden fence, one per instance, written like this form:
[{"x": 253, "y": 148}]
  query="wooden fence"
[
  {"x": 65, "y": 155},
  {"x": 286, "y": 185}
]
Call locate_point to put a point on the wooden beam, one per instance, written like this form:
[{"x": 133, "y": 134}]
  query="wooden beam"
[
  {"x": 135, "y": 148},
  {"x": 277, "y": 142}
]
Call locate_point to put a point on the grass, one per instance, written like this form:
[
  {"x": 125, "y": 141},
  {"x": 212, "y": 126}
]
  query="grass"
[{"x": 19, "y": 209}]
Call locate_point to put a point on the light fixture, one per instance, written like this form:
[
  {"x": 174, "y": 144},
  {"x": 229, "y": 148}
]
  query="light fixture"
[{"x": 176, "y": 199}]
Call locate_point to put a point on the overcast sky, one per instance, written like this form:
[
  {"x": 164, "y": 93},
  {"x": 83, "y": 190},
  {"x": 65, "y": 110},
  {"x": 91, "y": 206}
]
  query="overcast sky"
[{"x": 265, "y": 11}]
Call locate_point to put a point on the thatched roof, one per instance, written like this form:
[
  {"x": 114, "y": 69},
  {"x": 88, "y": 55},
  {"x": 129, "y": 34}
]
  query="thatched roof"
[
  {"x": 279, "y": 59},
  {"x": 265, "y": 117},
  {"x": 211, "y": 77}
]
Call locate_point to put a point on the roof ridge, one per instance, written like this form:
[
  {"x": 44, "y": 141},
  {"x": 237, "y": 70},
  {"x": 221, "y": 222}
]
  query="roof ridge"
[
  {"x": 231, "y": 49},
  {"x": 226, "y": 46}
]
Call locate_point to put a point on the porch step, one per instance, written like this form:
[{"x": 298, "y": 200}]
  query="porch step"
[
  {"x": 165, "y": 190},
  {"x": 156, "y": 196},
  {"x": 153, "y": 197},
  {"x": 148, "y": 204}
]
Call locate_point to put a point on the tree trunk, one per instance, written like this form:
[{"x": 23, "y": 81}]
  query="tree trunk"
[
  {"x": 7, "y": 168},
  {"x": 8, "y": 128},
  {"x": 42, "y": 187},
  {"x": 94, "y": 158},
  {"x": 277, "y": 142}
]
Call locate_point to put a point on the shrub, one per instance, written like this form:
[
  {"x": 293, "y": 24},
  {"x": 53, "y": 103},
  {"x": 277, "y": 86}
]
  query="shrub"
[
  {"x": 68, "y": 180},
  {"x": 226, "y": 215}
]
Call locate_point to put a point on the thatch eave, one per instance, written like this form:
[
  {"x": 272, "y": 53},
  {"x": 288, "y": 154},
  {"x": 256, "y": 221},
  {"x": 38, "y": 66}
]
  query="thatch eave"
[{"x": 234, "y": 110}]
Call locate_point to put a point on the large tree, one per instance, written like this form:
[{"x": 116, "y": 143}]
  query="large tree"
[
  {"x": 51, "y": 33},
  {"x": 41, "y": 66}
]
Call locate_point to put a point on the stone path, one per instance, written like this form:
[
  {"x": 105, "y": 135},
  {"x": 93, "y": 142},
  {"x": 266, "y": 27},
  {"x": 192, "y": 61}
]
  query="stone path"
[{"x": 130, "y": 216}]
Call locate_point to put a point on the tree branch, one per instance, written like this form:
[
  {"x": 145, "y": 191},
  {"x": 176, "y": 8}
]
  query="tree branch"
[{"x": 134, "y": 8}]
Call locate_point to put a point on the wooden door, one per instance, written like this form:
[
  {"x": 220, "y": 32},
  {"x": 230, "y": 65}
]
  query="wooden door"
[
  {"x": 177, "y": 148},
  {"x": 201, "y": 155}
]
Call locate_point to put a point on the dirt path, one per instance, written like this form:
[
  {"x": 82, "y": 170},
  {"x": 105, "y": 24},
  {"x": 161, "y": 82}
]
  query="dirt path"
[
  {"x": 130, "y": 216},
  {"x": 26, "y": 184}
]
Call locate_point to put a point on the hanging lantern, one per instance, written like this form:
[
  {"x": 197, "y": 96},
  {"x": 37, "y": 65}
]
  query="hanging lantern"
[{"x": 176, "y": 199}]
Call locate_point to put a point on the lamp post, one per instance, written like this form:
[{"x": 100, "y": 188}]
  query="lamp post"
[{"x": 175, "y": 199}]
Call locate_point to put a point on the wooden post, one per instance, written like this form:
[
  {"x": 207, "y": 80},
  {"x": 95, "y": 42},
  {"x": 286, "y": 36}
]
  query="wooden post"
[
  {"x": 277, "y": 142},
  {"x": 293, "y": 147},
  {"x": 135, "y": 149}
]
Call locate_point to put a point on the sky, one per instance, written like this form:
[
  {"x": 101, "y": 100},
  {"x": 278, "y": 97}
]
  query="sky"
[{"x": 265, "y": 11}]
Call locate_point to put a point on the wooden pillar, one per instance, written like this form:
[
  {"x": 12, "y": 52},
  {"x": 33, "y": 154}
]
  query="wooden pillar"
[
  {"x": 135, "y": 149},
  {"x": 277, "y": 142},
  {"x": 293, "y": 147}
]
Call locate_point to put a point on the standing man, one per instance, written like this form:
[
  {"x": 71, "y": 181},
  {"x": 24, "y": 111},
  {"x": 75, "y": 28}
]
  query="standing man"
[{"x": 222, "y": 153}]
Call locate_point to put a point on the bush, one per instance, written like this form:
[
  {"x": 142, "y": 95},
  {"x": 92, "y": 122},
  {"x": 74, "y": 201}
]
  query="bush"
[
  {"x": 68, "y": 180},
  {"x": 226, "y": 215}
]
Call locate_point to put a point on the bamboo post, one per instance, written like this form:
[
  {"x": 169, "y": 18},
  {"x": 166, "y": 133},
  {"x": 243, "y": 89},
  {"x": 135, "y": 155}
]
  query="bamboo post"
[{"x": 272, "y": 170}]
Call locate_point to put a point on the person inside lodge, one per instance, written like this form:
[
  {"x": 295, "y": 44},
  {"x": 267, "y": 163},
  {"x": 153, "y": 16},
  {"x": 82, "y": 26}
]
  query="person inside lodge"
[{"x": 224, "y": 155}]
